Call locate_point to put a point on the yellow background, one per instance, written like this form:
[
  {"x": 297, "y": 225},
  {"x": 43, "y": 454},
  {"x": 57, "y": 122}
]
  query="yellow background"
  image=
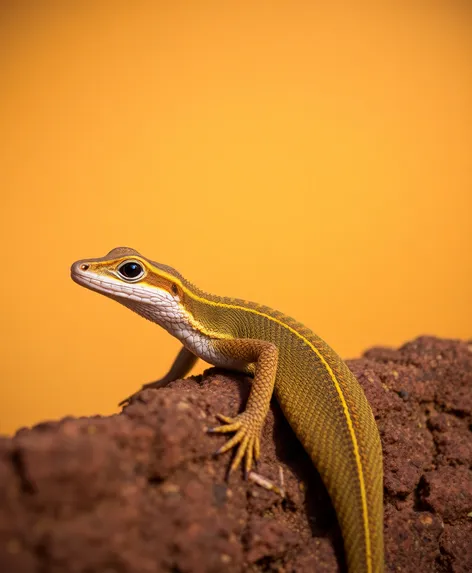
[{"x": 312, "y": 156}]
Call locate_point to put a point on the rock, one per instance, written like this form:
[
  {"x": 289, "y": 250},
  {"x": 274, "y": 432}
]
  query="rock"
[{"x": 141, "y": 491}]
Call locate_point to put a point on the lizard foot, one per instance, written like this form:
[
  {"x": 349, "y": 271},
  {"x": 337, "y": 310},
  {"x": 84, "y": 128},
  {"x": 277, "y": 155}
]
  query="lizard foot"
[
  {"x": 127, "y": 400},
  {"x": 246, "y": 438}
]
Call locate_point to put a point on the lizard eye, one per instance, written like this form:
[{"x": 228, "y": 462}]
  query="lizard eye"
[{"x": 131, "y": 270}]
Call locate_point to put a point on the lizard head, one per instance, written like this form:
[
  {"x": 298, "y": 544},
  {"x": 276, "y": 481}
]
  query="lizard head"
[{"x": 148, "y": 288}]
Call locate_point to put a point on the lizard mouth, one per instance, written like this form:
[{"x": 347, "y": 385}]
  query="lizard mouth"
[{"x": 104, "y": 285}]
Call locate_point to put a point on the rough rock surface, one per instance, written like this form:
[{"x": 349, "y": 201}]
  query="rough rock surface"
[{"x": 142, "y": 492}]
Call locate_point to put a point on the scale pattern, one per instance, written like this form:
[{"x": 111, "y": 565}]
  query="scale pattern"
[
  {"x": 329, "y": 413},
  {"x": 320, "y": 397}
]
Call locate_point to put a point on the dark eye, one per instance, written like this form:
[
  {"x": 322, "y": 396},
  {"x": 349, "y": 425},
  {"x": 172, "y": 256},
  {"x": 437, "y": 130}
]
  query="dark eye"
[
  {"x": 175, "y": 289},
  {"x": 131, "y": 270}
]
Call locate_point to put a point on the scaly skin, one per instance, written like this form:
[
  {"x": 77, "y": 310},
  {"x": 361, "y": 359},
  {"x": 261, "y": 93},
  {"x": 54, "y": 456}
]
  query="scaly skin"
[{"x": 319, "y": 396}]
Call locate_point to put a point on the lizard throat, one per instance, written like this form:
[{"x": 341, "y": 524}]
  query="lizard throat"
[{"x": 157, "y": 305}]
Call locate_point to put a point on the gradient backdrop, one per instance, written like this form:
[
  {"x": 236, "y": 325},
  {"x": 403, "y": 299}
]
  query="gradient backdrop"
[{"x": 308, "y": 155}]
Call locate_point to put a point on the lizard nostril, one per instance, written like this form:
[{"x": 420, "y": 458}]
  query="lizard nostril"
[{"x": 84, "y": 267}]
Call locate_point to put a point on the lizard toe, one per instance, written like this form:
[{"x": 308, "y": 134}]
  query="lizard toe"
[{"x": 246, "y": 439}]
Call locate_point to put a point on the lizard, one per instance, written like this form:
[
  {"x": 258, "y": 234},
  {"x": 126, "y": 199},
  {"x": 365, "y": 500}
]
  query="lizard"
[{"x": 319, "y": 396}]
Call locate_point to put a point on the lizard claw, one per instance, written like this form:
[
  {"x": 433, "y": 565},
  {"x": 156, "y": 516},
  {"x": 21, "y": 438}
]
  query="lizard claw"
[
  {"x": 158, "y": 384},
  {"x": 127, "y": 400},
  {"x": 246, "y": 439}
]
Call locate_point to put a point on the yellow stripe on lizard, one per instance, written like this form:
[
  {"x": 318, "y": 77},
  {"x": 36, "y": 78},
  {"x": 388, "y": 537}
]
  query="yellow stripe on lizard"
[{"x": 319, "y": 396}]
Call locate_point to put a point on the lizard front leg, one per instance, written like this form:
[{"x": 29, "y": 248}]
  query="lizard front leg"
[
  {"x": 183, "y": 363},
  {"x": 248, "y": 424}
]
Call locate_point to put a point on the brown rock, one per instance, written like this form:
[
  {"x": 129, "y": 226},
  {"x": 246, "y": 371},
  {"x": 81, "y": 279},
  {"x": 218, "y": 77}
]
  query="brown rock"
[{"x": 142, "y": 492}]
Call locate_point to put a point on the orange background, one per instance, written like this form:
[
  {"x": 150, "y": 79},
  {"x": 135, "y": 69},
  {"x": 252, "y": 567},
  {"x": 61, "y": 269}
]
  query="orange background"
[{"x": 311, "y": 156}]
